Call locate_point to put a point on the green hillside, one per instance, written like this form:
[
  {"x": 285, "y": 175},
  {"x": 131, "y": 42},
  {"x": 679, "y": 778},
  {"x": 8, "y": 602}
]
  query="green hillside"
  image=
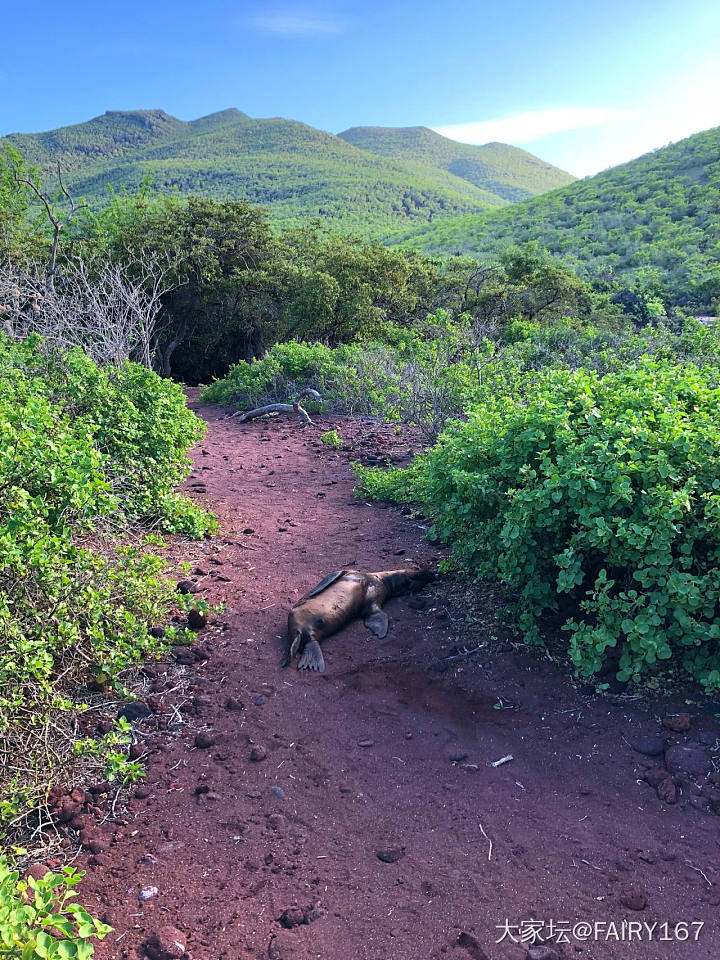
[
  {"x": 655, "y": 220},
  {"x": 297, "y": 171},
  {"x": 509, "y": 172}
]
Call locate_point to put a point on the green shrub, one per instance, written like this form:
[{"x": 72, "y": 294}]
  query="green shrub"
[
  {"x": 332, "y": 439},
  {"x": 432, "y": 372},
  {"x": 596, "y": 496},
  {"x": 110, "y": 753},
  {"x": 282, "y": 373},
  {"x": 138, "y": 421},
  {"x": 39, "y": 919},
  {"x": 81, "y": 451}
]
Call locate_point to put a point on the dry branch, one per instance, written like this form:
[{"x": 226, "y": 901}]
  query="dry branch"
[
  {"x": 110, "y": 310},
  {"x": 282, "y": 408},
  {"x": 58, "y": 223}
]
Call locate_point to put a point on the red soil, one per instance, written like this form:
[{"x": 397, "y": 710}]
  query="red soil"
[{"x": 363, "y": 759}]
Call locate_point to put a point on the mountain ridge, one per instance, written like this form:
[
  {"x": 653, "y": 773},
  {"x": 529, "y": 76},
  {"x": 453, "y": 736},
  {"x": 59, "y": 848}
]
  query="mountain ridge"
[
  {"x": 654, "y": 221},
  {"x": 506, "y": 170},
  {"x": 297, "y": 171}
]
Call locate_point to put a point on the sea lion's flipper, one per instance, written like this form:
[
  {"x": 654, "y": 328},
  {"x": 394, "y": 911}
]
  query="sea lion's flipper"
[
  {"x": 324, "y": 584},
  {"x": 377, "y": 622},
  {"x": 312, "y": 658},
  {"x": 286, "y": 661}
]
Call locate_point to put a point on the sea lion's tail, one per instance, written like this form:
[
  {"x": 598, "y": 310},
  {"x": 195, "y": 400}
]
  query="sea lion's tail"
[{"x": 407, "y": 580}]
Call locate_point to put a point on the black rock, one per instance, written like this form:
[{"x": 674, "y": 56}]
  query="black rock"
[
  {"x": 650, "y": 746},
  {"x": 688, "y": 758},
  {"x": 204, "y": 739},
  {"x": 293, "y": 917},
  {"x": 167, "y": 943},
  {"x": 137, "y": 710},
  {"x": 469, "y": 943},
  {"x": 391, "y": 855},
  {"x": 633, "y": 898},
  {"x": 313, "y": 913},
  {"x": 196, "y": 620},
  {"x": 542, "y": 953},
  {"x": 187, "y": 586}
]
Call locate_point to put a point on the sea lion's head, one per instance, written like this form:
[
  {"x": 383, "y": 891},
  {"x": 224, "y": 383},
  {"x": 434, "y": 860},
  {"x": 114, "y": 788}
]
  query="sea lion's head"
[{"x": 407, "y": 580}]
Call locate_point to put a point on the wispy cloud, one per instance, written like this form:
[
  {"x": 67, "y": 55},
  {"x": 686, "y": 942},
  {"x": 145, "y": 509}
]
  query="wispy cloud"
[
  {"x": 585, "y": 140},
  {"x": 526, "y": 127},
  {"x": 299, "y": 25}
]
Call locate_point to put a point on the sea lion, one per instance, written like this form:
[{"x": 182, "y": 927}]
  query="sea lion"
[{"x": 340, "y": 598}]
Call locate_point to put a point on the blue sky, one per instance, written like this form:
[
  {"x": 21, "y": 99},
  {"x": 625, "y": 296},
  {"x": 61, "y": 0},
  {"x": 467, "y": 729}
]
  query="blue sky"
[{"x": 583, "y": 84}]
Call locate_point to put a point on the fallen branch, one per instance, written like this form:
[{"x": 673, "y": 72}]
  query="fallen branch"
[
  {"x": 501, "y": 761},
  {"x": 281, "y": 408},
  {"x": 465, "y": 652},
  {"x": 490, "y": 850}
]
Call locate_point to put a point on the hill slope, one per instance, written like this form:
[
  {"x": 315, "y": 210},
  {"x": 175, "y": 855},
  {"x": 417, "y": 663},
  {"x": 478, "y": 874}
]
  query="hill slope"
[
  {"x": 507, "y": 171},
  {"x": 661, "y": 211},
  {"x": 298, "y": 171}
]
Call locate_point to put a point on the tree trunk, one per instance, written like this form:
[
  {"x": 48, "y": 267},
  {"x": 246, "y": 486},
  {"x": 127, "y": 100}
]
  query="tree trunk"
[
  {"x": 170, "y": 347},
  {"x": 166, "y": 353}
]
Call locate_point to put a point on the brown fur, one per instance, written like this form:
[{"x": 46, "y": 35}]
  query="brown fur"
[{"x": 340, "y": 598}]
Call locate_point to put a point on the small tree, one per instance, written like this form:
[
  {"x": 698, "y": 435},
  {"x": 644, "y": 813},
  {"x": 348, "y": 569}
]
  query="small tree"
[{"x": 58, "y": 222}]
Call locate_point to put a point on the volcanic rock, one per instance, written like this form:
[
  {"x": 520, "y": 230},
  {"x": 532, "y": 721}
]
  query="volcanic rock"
[
  {"x": 687, "y": 758},
  {"x": 167, "y": 943}
]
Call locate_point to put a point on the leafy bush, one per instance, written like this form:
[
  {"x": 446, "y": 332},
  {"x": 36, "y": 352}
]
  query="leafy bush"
[
  {"x": 138, "y": 422},
  {"x": 598, "y": 496},
  {"x": 109, "y": 752},
  {"x": 40, "y": 921},
  {"x": 432, "y": 372},
  {"x": 339, "y": 373},
  {"x": 81, "y": 451},
  {"x": 332, "y": 439}
]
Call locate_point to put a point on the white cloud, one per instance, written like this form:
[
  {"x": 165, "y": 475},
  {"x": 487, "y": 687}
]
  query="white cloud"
[
  {"x": 585, "y": 140},
  {"x": 525, "y": 127},
  {"x": 299, "y": 25},
  {"x": 690, "y": 104}
]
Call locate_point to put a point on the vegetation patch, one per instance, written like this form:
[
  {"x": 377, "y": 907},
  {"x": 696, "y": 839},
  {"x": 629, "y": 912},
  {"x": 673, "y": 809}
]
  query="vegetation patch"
[
  {"x": 39, "y": 918},
  {"x": 650, "y": 226},
  {"x": 331, "y": 439},
  {"x": 83, "y": 451},
  {"x": 598, "y": 495}
]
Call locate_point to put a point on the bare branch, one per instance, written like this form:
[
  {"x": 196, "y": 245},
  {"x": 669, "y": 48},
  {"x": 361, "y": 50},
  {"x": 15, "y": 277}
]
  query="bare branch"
[
  {"x": 41, "y": 196},
  {"x": 283, "y": 408},
  {"x": 110, "y": 311}
]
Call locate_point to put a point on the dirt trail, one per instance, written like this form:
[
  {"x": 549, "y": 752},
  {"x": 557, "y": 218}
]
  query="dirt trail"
[{"x": 360, "y": 760}]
